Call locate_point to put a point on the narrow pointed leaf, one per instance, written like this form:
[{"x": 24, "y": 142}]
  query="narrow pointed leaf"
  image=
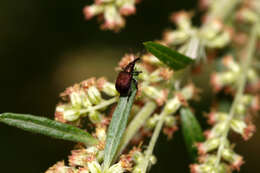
[
  {"x": 172, "y": 58},
  {"x": 191, "y": 132},
  {"x": 117, "y": 126},
  {"x": 48, "y": 127}
]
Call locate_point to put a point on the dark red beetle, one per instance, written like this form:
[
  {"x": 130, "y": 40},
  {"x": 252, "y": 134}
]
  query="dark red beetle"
[{"x": 125, "y": 77}]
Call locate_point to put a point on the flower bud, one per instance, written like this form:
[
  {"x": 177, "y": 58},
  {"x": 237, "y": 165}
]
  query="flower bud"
[
  {"x": 116, "y": 168},
  {"x": 155, "y": 76},
  {"x": 151, "y": 59},
  {"x": 71, "y": 114},
  {"x": 175, "y": 37},
  {"x": 95, "y": 117},
  {"x": 202, "y": 168},
  {"x": 214, "y": 117},
  {"x": 170, "y": 121},
  {"x": 212, "y": 29},
  {"x": 233, "y": 158},
  {"x": 75, "y": 99},
  {"x": 128, "y": 8},
  {"x": 172, "y": 105},
  {"x": 188, "y": 91},
  {"x": 152, "y": 121},
  {"x": 92, "y": 150},
  {"x": 101, "y": 134},
  {"x": 152, "y": 159},
  {"x": 247, "y": 15},
  {"x": 182, "y": 20},
  {"x": 106, "y": 87},
  {"x": 94, "y": 166},
  {"x": 158, "y": 95},
  {"x": 229, "y": 62},
  {"x": 138, "y": 157},
  {"x": 220, "y": 40},
  {"x": 252, "y": 75},
  {"x": 208, "y": 145},
  {"x": 113, "y": 19},
  {"x": 78, "y": 157},
  {"x": 94, "y": 95},
  {"x": 238, "y": 126},
  {"x": 92, "y": 10},
  {"x": 246, "y": 99},
  {"x": 216, "y": 131}
]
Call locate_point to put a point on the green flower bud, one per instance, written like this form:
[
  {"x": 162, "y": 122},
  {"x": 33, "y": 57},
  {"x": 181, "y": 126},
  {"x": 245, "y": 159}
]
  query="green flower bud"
[
  {"x": 94, "y": 95},
  {"x": 95, "y": 117}
]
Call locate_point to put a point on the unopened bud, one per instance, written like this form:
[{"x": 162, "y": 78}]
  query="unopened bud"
[
  {"x": 71, "y": 114},
  {"x": 170, "y": 121},
  {"x": 95, "y": 116},
  {"x": 94, "y": 166},
  {"x": 238, "y": 126},
  {"x": 94, "y": 95},
  {"x": 116, "y": 168},
  {"x": 175, "y": 37},
  {"x": 233, "y": 158},
  {"x": 220, "y": 41},
  {"x": 172, "y": 105},
  {"x": 90, "y": 11},
  {"x": 247, "y": 15},
  {"x": 208, "y": 145},
  {"x": 217, "y": 130},
  {"x": 152, "y": 121}
]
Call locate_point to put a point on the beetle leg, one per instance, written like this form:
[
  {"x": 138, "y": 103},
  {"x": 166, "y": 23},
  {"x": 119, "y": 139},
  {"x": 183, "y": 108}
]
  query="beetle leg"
[
  {"x": 135, "y": 73},
  {"x": 136, "y": 84}
]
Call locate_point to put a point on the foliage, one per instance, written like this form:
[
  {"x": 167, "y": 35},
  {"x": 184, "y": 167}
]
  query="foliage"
[{"x": 126, "y": 128}]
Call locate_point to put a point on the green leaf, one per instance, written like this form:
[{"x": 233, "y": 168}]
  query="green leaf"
[
  {"x": 117, "y": 126},
  {"x": 173, "y": 59},
  {"x": 47, "y": 127},
  {"x": 191, "y": 132}
]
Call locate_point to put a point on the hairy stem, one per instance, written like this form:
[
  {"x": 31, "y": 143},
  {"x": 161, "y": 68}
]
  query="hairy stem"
[
  {"x": 153, "y": 140},
  {"x": 100, "y": 106}
]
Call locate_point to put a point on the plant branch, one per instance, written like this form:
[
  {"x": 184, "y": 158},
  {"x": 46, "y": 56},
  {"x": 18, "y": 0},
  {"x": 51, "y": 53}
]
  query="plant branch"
[
  {"x": 153, "y": 140},
  {"x": 241, "y": 86},
  {"x": 100, "y": 106}
]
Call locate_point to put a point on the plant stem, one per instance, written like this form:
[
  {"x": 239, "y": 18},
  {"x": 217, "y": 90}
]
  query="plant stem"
[
  {"x": 100, "y": 106},
  {"x": 241, "y": 86},
  {"x": 152, "y": 143}
]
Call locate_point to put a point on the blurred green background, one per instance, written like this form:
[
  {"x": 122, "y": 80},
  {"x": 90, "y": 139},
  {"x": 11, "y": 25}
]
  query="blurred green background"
[{"x": 46, "y": 46}]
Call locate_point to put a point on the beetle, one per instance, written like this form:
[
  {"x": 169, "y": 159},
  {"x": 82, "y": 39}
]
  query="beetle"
[{"x": 125, "y": 77}]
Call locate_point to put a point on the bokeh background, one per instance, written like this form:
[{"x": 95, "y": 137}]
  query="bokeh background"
[{"x": 46, "y": 46}]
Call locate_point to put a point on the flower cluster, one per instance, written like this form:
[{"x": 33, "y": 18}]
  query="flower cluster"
[
  {"x": 161, "y": 87},
  {"x": 241, "y": 81},
  {"x": 227, "y": 79},
  {"x": 92, "y": 98},
  {"x": 111, "y": 11},
  {"x": 85, "y": 99},
  {"x": 88, "y": 160},
  {"x": 248, "y": 12},
  {"x": 212, "y": 35}
]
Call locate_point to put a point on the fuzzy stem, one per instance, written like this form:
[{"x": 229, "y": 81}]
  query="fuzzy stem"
[
  {"x": 241, "y": 86},
  {"x": 153, "y": 140},
  {"x": 136, "y": 123},
  {"x": 100, "y": 106}
]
